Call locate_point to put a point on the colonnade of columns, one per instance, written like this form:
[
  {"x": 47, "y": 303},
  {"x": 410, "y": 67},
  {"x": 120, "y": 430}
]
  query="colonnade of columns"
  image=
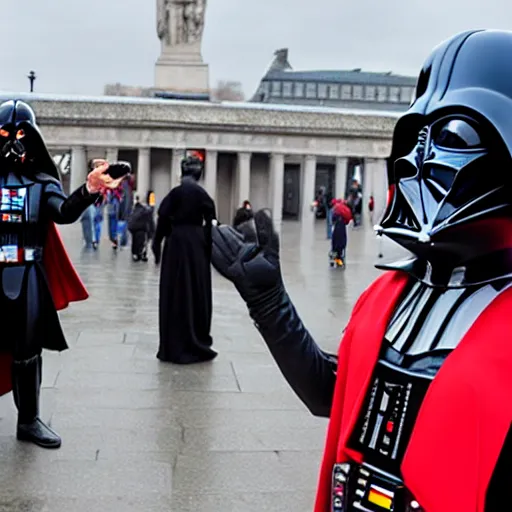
[{"x": 374, "y": 178}]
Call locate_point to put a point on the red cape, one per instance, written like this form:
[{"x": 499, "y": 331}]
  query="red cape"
[
  {"x": 463, "y": 421},
  {"x": 64, "y": 283}
]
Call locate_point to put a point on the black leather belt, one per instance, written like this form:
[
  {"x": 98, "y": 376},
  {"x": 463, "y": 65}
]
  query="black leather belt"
[{"x": 361, "y": 487}]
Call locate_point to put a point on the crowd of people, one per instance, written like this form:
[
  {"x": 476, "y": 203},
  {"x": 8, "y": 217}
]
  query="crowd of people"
[
  {"x": 124, "y": 214},
  {"x": 116, "y": 205}
]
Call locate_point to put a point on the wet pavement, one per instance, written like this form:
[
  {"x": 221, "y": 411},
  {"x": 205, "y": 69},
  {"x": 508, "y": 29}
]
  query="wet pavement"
[{"x": 139, "y": 435}]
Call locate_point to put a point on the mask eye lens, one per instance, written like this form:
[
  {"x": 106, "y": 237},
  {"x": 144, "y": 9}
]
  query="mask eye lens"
[
  {"x": 4, "y": 133},
  {"x": 20, "y": 134},
  {"x": 458, "y": 134}
]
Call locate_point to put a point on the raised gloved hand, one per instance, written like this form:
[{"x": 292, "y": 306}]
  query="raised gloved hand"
[{"x": 249, "y": 258}]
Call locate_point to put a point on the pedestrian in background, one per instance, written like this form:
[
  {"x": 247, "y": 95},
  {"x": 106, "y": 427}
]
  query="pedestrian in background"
[
  {"x": 141, "y": 228},
  {"x": 243, "y": 214}
]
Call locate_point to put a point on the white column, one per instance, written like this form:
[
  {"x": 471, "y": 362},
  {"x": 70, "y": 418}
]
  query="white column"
[
  {"x": 177, "y": 157},
  {"x": 341, "y": 176},
  {"x": 78, "y": 168},
  {"x": 143, "y": 173},
  {"x": 244, "y": 177},
  {"x": 210, "y": 179},
  {"x": 276, "y": 188},
  {"x": 112, "y": 155},
  {"x": 308, "y": 187},
  {"x": 377, "y": 168}
]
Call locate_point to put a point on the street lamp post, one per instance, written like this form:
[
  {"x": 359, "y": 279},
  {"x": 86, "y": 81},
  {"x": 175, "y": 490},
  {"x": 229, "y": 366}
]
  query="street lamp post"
[{"x": 32, "y": 77}]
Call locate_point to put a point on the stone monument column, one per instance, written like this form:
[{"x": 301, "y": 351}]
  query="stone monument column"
[
  {"x": 210, "y": 179},
  {"x": 244, "y": 177},
  {"x": 180, "y": 67},
  {"x": 112, "y": 155},
  {"x": 276, "y": 188},
  {"x": 143, "y": 173},
  {"x": 78, "y": 169},
  {"x": 308, "y": 188},
  {"x": 177, "y": 156},
  {"x": 341, "y": 176}
]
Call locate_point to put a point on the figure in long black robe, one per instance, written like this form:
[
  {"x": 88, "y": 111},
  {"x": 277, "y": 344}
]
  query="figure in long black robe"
[{"x": 184, "y": 220}]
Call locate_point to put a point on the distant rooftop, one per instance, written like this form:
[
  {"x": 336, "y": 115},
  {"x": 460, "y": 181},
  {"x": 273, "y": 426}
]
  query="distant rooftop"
[
  {"x": 281, "y": 69},
  {"x": 346, "y": 88},
  {"x": 353, "y": 76}
]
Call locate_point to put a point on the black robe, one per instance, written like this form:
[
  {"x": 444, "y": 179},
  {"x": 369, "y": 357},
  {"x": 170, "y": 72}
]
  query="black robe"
[{"x": 185, "y": 307}]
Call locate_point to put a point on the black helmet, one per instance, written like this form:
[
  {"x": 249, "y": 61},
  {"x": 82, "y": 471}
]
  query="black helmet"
[
  {"x": 451, "y": 161},
  {"x": 21, "y": 142},
  {"x": 192, "y": 166}
]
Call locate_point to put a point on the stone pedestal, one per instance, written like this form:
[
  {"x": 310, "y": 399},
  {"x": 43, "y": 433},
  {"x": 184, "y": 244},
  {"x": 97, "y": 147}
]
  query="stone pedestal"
[{"x": 181, "y": 69}]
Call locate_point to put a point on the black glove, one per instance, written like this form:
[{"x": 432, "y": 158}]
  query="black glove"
[
  {"x": 251, "y": 262},
  {"x": 249, "y": 258}
]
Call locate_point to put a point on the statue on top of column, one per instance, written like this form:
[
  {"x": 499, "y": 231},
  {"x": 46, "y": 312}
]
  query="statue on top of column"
[{"x": 180, "y": 22}]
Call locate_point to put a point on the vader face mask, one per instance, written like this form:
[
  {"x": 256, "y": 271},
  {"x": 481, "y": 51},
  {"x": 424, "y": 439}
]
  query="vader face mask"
[
  {"x": 22, "y": 148},
  {"x": 17, "y": 123},
  {"x": 451, "y": 165}
]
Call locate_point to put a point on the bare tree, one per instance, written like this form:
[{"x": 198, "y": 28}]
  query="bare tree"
[{"x": 228, "y": 91}]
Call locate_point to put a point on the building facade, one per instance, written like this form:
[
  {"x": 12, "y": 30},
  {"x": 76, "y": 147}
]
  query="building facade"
[
  {"x": 355, "y": 89},
  {"x": 275, "y": 156}
]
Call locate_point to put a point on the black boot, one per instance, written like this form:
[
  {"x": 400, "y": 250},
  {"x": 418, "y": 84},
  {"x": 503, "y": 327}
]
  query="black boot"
[{"x": 26, "y": 385}]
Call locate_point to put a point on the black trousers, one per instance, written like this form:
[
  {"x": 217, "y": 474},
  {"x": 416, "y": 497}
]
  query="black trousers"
[
  {"x": 139, "y": 241},
  {"x": 20, "y": 304}
]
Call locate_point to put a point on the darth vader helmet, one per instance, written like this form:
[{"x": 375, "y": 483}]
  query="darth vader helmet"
[
  {"x": 21, "y": 143},
  {"x": 450, "y": 169}
]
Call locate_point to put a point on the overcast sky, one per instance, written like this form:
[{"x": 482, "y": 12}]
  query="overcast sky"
[{"x": 77, "y": 46}]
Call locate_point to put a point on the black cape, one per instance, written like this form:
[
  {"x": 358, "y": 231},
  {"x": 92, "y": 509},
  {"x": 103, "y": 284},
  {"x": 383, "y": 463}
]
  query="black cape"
[{"x": 185, "y": 307}]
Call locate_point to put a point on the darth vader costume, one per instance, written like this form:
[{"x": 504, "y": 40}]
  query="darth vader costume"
[
  {"x": 185, "y": 310},
  {"x": 419, "y": 394},
  {"x": 36, "y": 276}
]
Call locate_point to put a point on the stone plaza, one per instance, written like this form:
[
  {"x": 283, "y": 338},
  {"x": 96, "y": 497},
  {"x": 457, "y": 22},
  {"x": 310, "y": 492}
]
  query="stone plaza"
[{"x": 139, "y": 435}]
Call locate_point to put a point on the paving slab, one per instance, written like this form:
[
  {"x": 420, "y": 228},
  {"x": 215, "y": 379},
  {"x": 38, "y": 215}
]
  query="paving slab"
[{"x": 140, "y": 435}]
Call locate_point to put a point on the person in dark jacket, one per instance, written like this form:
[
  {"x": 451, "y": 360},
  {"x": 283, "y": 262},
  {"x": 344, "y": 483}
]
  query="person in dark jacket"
[
  {"x": 141, "y": 227},
  {"x": 341, "y": 217},
  {"x": 243, "y": 214}
]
